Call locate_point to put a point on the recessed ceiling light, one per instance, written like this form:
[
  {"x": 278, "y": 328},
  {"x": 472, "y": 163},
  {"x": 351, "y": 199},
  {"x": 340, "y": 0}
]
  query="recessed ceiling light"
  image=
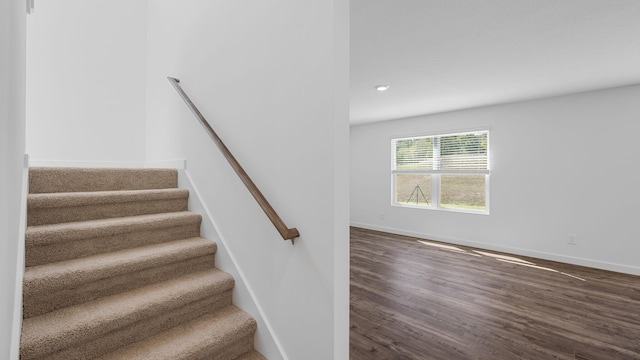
[{"x": 382, "y": 87}]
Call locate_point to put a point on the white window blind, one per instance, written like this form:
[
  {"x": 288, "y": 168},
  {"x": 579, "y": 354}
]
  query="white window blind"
[{"x": 451, "y": 153}]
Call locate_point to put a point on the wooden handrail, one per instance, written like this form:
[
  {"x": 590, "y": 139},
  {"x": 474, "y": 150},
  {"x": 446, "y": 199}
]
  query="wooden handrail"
[{"x": 285, "y": 232}]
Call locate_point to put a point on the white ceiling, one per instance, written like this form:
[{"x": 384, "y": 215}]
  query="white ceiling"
[{"x": 443, "y": 55}]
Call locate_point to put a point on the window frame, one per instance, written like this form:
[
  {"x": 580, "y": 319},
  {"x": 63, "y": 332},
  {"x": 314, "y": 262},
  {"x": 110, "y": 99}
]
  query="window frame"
[{"x": 435, "y": 201}]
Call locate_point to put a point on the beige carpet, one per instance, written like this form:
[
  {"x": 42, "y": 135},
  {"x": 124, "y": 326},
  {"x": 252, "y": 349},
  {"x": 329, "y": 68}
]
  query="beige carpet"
[{"x": 116, "y": 269}]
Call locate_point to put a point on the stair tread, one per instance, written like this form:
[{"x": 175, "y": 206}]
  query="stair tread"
[
  {"x": 192, "y": 340},
  {"x": 72, "y": 273},
  {"x": 62, "y": 328},
  {"x": 69, "y": 199}
]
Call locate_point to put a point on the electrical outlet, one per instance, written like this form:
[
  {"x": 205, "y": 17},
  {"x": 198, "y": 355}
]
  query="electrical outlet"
[{"x": 571, "y": 239}]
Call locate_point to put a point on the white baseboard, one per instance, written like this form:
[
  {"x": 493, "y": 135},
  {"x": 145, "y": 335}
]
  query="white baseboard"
[
  {"x": 633, "y": 270},
  {"x": 266, "y": 340},
  {"x": 167, "y": 164},
  {"x": 16, "y": 329}
]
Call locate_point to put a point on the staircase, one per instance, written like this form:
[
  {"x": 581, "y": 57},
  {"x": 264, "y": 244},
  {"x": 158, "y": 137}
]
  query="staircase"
[{"x": 116, "y": 269}]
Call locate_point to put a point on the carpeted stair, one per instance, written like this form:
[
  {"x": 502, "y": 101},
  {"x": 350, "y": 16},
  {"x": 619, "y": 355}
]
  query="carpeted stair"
[{"x": 116, "y": 269}]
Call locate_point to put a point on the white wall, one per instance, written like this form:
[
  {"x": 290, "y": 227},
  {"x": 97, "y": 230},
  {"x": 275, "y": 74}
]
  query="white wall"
[
  {"x": 563, "y": 165},
  {"x": 272, "y": 79},
  {"x": 86, "y": 81},
  {"x": 12, "y": 148}
]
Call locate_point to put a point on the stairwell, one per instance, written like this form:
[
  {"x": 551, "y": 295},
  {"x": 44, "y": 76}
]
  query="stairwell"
[{"x": 116, "y": 269}]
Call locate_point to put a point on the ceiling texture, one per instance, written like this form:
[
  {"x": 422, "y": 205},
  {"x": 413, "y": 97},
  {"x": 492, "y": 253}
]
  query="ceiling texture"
[{"x": 445, "y": 55}]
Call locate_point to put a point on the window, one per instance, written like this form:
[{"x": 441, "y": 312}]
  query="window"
[{"x": 449, "y": 171}]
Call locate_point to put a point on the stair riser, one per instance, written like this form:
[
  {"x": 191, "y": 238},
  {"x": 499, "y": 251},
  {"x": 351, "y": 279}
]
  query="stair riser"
[
  {"x": 232, "y": 351},
  {"x": 55, "y": 215},
  {"x": 140, "y": 330},
  {"x": 53, "y": 180},
  {"x": 40, "y": 302},
  {"x": 89, "y": 246}
]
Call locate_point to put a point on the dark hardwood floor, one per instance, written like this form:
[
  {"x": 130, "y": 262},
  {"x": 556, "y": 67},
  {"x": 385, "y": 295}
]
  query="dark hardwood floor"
[{"x": 415, "y": 300}]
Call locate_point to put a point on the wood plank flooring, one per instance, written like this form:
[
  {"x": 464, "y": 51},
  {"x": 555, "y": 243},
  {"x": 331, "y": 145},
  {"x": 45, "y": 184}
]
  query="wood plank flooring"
[{"x": 415, "y": 300}]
